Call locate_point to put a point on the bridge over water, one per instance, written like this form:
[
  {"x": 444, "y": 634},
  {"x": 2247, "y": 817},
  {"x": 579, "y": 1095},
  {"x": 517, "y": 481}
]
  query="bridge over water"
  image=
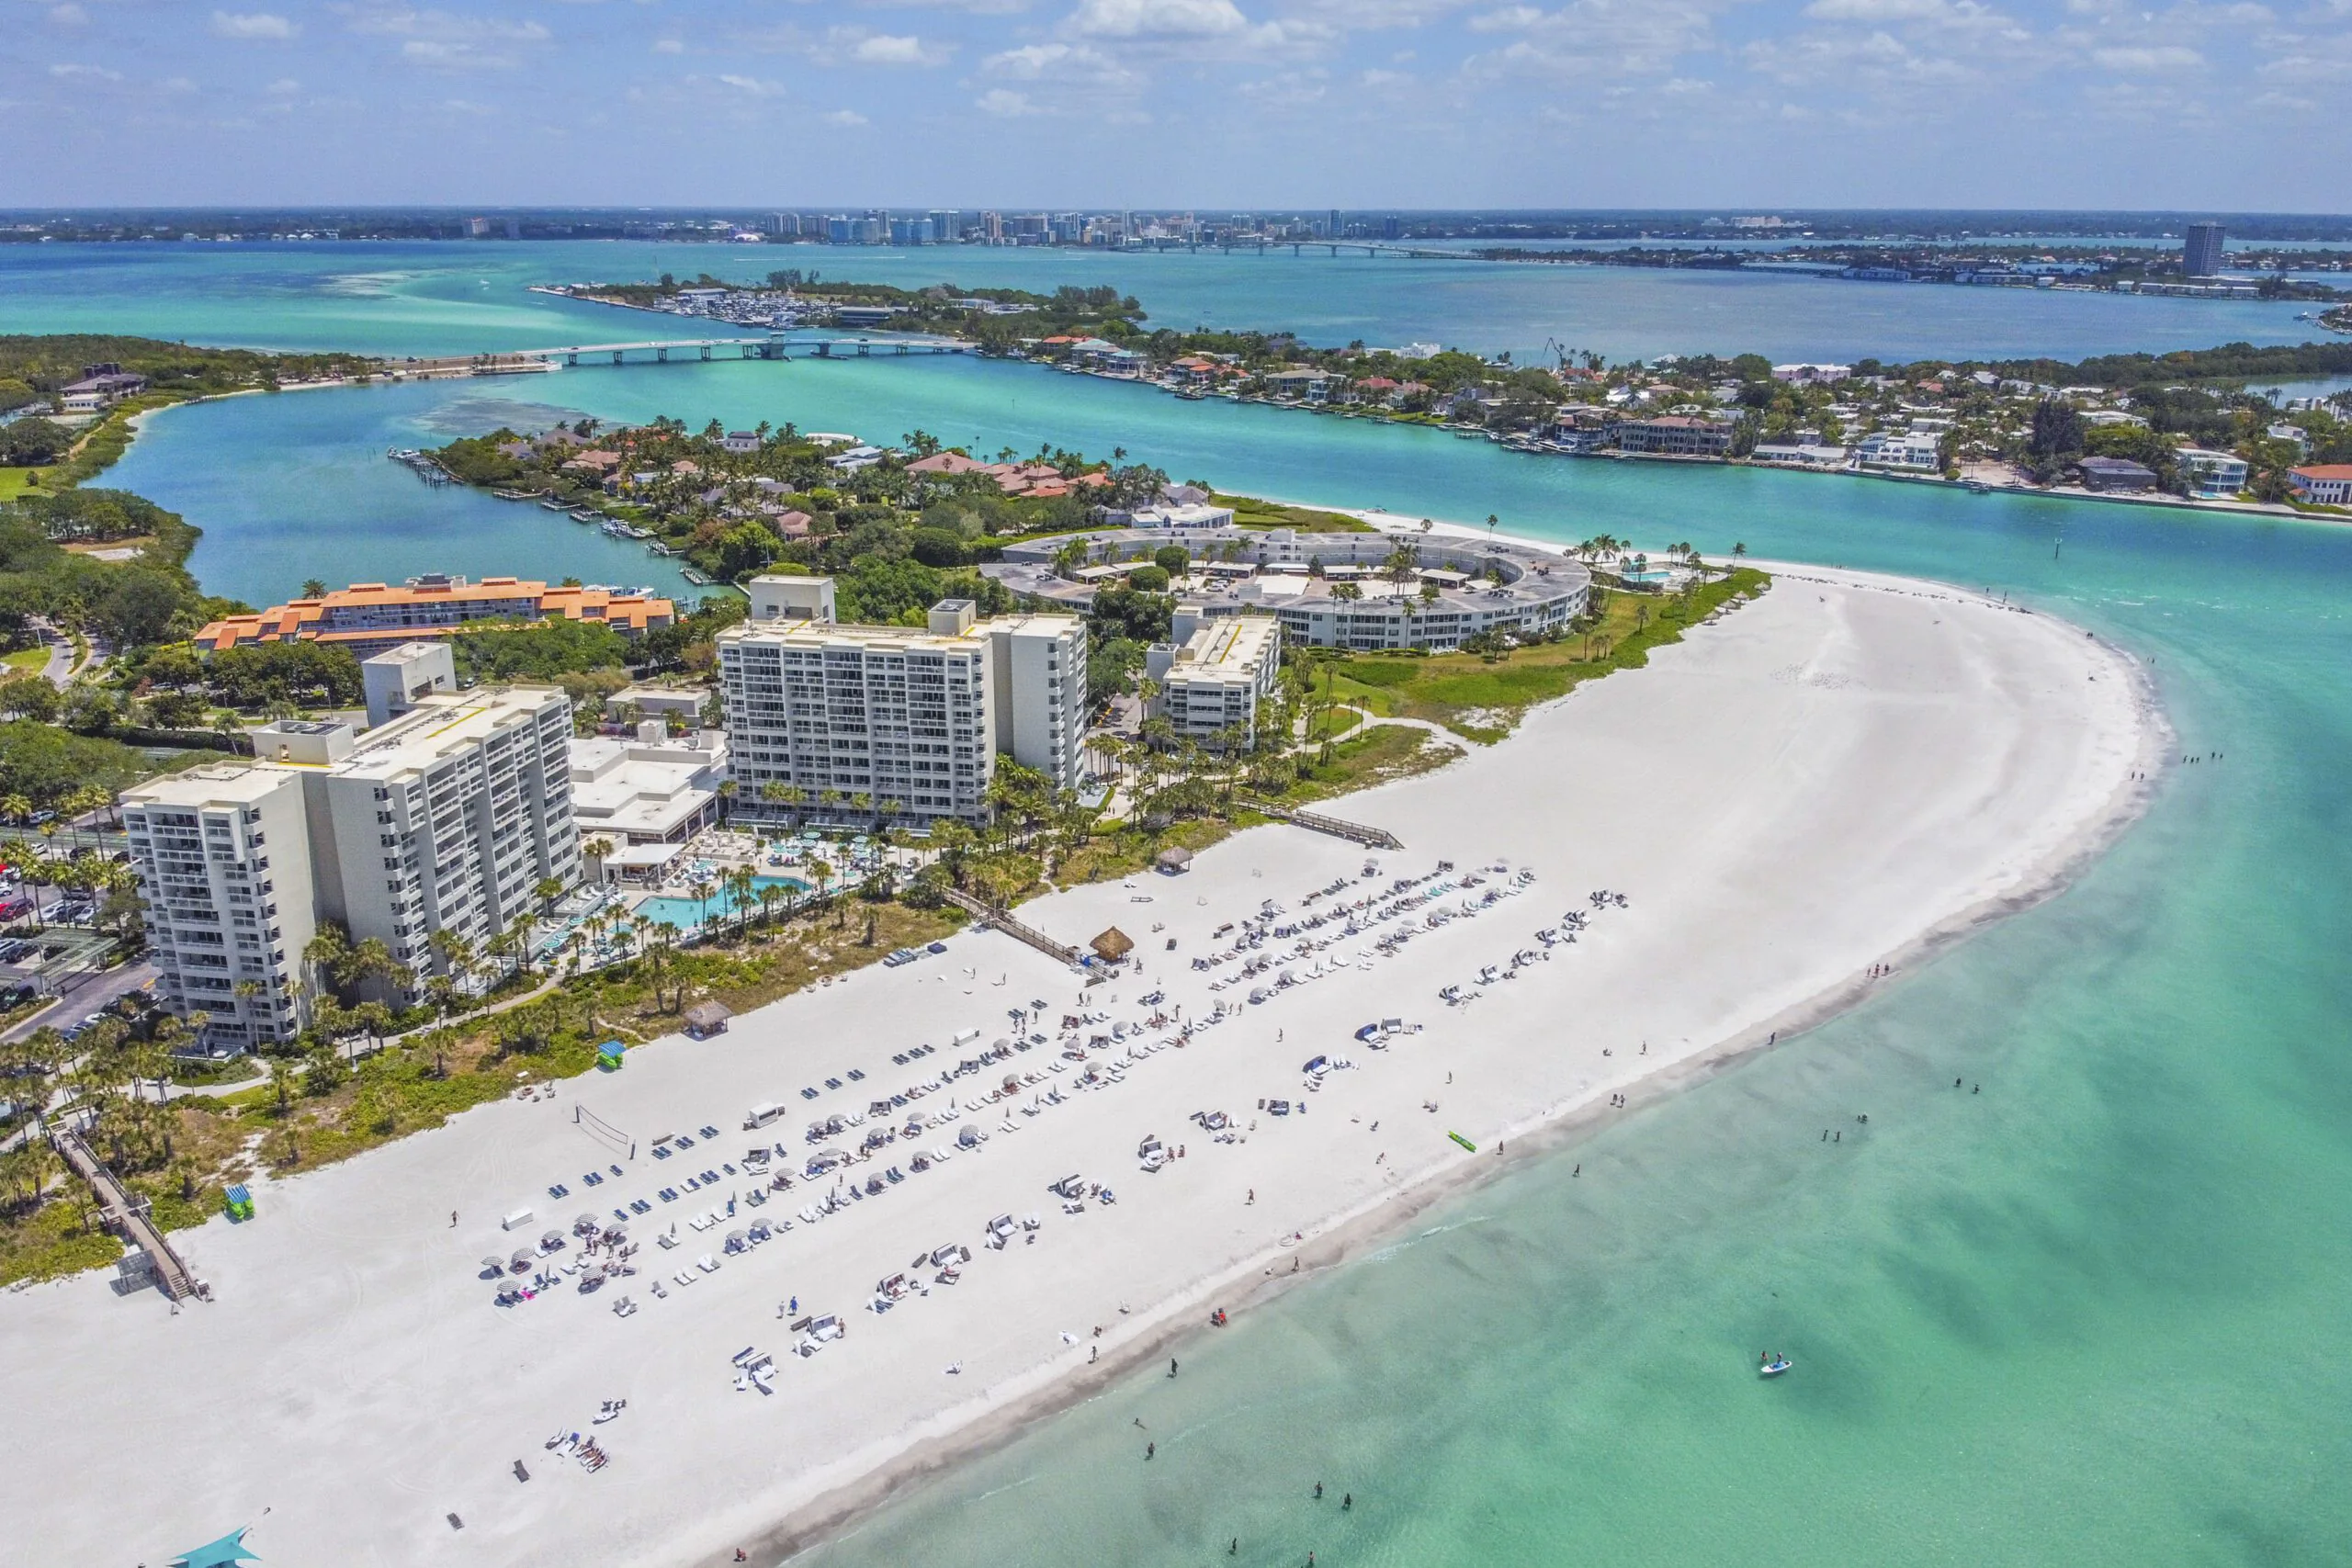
[{"x": 773, "y": 345}]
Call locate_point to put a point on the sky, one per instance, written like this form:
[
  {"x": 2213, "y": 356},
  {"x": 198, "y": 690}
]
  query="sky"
[{"x": 1162, "y": 104}]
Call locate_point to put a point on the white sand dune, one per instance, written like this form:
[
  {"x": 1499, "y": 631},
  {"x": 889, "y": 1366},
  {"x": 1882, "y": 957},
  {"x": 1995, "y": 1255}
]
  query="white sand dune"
[{"x": 1839, "y": 775}]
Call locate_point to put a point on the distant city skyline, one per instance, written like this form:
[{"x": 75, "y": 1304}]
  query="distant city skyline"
[{"x": 1172, "y": 103}]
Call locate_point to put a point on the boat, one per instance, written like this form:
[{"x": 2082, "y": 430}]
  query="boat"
[
  {"x": 1774, "y": 1367},
  {"x": 1977, "y": 487},
  {"x": 696, "y": 578},
  {"x": 553, "y": 505}
]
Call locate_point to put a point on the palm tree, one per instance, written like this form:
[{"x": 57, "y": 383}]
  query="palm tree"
[
  {"x": 246, "y": 991},
  {"x": 282, "y": 1079},
  {"x": 702, "y": 888},
  {"x": 822, "y": 871},
  {"x": 769, "y": 894},
  {"x": 546, "y": 891}
]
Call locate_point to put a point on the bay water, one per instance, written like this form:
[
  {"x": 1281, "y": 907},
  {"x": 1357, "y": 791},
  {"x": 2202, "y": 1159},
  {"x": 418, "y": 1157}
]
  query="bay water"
[{"x": 2079, "y": 1310}]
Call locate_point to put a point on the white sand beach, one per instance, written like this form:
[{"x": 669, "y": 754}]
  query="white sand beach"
[{"x": 1841, "y": 774}]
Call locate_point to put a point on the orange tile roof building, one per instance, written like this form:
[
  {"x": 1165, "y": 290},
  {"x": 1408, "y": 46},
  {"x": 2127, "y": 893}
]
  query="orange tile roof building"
[{"x": 366, "y": 616}]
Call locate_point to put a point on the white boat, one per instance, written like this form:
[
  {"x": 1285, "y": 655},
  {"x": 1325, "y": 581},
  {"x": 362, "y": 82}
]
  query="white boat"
[{"x": 1775, "y": 1367}]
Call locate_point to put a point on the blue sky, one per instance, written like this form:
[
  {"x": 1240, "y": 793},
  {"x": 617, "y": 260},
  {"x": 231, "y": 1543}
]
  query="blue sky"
[{"x": 1307, "y": 102}]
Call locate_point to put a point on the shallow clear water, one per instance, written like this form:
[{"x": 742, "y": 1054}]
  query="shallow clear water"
[{"x": 2085, "y": 1315}]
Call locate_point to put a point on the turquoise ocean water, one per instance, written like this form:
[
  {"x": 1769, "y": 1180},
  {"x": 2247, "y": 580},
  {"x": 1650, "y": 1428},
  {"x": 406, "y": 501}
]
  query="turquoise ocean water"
[
  {"x": 464, "y": 298},
  {"x": 2087, "y": 1316}
]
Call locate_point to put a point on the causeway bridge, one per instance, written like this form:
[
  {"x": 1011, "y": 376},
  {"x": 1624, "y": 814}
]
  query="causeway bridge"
[{"x": 771, "y": 345}]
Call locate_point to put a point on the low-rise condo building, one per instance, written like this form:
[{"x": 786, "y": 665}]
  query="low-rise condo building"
[
  {"x": 1675, "y": 436},
  {"x": 446, "y": 819},
  {"x": 896, "y": 721},
  {"x": 648, "y": 788},
  {"x": 1213, "y": 675},
  {"x": 368, "y": 616},
  {"x": 1364, "y": 591}
]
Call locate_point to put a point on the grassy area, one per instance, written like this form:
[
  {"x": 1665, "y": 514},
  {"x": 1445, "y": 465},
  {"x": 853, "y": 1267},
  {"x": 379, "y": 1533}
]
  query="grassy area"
[
  {"x": 25, "y": 660},
  {"x": 1250, "y": 512},
  {"x": 1379, "y": 755},
  {"x": 1481, "y": 697},
  {"x": 14, "y": 482}
]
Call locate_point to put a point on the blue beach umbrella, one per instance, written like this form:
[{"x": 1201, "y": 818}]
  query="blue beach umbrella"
[{"x": 225, "y": 1553}]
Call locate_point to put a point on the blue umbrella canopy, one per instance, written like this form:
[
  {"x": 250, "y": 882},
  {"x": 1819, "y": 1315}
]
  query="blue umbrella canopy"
[{"x": 225, "y": 1553}]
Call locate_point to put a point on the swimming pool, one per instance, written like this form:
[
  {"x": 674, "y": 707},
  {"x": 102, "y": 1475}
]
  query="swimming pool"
[{"x": 687, "y": 914}]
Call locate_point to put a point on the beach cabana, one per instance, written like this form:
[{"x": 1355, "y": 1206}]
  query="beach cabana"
[
  {"x": 1175, "y": 862},
  {"x": 707, "y": 1019},
  {"x": 225, "y": 1553},
  {"x": 1112, "y": 946}
]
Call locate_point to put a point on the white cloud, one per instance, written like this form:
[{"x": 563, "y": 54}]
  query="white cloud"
[
  {"x": 752, "y": 86},
  {"x": 667, "y": 46},
  {"x": 971, "y": 7},
  {"x": 856, "y": 46},
  {"x": 76, "y": 73},
  {"x": 1617, "y": 37},
  {"x": 1876, "y": 10},
  {"x": 284, "y": 87},
  {"x": 1006, "y": 103},
  {"x": 1156, "y": 18},
  {"x": 439, "y": 40},
  {"x": 2146, "y": 57},
  {"x": 251, "y": 25},
  {"x": 69, "y": 15},
  {"x": 1055, "y": 63},
  {"x": 849, "y": 118}
]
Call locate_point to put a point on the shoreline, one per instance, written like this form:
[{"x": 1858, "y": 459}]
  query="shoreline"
[
  {"x": 1951, "y": 767},
  {"x": 1379, "y": 1221}
]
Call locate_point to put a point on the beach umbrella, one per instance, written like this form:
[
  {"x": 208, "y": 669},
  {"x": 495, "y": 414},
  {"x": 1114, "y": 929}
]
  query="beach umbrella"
[
  {"x": 735, "y": 1239},
  {"x": 524, "y": 1261},
  {"x": 586, "y": 1224},
  {"x": 553, "y": 1238},
  {"x": 493, "y": 1264}
]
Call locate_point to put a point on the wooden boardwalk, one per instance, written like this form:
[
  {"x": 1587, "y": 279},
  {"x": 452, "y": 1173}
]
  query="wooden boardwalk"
[
  {"x": 125, "y": 1215},
  {"x": 1339, "y": 827},
  {"x": 988, "y": 914}
]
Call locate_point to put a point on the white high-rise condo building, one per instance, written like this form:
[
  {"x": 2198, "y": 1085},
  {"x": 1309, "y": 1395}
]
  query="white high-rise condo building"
[
  {"x": 446, "y": 819},
  {"x": 912, "y": 720}
]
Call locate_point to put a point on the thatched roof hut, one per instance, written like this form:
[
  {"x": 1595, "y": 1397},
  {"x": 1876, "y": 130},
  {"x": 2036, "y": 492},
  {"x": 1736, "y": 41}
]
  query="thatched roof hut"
[
  {"x": 1112, "y": 946},
  {"x": 707, "y": 1019},
  {"x": 1176, "y": 860}
]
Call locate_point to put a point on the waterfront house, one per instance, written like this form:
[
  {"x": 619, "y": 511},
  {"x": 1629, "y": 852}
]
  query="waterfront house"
[
  {"x": 1911, "y": 450},
  {"x": 2323, "y": 484},
  {"x": 738, "y": 441},
  {"x": 2117, "y": 475},
  {"x": 101, "y": 387},
  {"x": 949, "y": 463},
  {"x": 2206, "y": 475},
  {"x": 1675, "y": 436},
  {"x": 1802, "y": 454},
  {"x": 1305, "y": 385},
  {"x": 1805, "y": 374}
]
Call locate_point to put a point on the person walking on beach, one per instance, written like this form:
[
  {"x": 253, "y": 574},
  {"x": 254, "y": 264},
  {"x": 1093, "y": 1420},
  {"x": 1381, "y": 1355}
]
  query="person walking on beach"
[
  {"x": 1149, "y": 1449},
  {"x": 1319, "y": 1492},
  {"x": 1172, "y": 1366},
  {"x": 1347, "y": 1501}
]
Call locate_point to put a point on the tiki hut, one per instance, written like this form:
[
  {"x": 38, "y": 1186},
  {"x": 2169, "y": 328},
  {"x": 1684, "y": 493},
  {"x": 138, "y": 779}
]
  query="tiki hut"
[
  {"x": 1112, "y": 945},
  {"x": 1175, "y": 862},
  {"x": 707, "y": 1019}
]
